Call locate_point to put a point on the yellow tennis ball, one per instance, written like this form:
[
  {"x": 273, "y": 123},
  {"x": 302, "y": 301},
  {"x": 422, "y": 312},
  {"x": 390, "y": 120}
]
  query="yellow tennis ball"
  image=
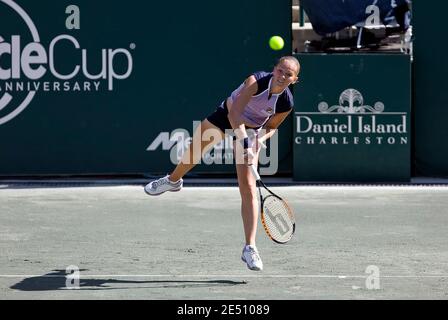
[{"x": 276, "y": 43}]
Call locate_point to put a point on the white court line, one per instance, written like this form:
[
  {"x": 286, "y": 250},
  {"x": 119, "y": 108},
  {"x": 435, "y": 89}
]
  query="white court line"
[
  {"x": 330, "y": 187},
  {"x": 86, "y": 276}
]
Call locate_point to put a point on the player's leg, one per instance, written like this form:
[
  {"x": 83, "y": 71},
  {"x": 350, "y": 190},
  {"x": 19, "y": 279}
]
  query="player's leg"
[
  {"x": 249, "y": 213},
  {"x": 249, "y": 202},
  {"x": 204, "y": 138}
]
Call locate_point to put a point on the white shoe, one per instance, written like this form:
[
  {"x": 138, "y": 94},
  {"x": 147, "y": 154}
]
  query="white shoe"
[
  {"x": 252, "y": 258},
  {"x": 157, "y": 187}
]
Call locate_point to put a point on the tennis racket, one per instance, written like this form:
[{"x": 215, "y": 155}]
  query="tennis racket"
[{"x": 276, "y": 215}]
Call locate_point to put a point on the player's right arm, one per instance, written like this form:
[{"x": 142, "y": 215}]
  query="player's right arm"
[{"x": 239, "y": 103}]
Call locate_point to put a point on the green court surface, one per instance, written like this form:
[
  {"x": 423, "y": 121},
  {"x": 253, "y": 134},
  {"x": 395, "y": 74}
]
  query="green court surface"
[{"x": 187, "y": 245}]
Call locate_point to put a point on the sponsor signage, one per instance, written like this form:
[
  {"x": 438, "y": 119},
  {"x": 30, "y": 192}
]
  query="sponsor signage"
[
  {"x": 361, "y": 133},
  {"x": 102, "y": 88}
]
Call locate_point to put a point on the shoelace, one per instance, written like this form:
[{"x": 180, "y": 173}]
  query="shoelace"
[
  {"x": 159, "y": 183},
  {"x": 254, "y": 255}
]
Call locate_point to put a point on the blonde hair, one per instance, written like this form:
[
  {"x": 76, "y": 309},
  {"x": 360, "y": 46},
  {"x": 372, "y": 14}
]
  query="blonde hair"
[{"x": 292, "y": 59}]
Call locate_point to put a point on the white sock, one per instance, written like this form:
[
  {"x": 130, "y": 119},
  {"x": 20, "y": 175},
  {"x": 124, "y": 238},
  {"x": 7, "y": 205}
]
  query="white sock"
[{"x": 173, "y": 182}]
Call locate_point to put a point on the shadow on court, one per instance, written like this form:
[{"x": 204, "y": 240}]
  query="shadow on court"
[
  {"x": 56, "y": 280},
  {"x": 61, "y": 185}
]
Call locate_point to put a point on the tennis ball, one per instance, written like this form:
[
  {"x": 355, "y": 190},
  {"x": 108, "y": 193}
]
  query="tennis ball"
[{"x": 276, "y": 43}]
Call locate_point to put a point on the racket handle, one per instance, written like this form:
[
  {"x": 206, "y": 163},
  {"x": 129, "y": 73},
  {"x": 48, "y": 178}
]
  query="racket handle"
[{"x": 254, "y": 172}]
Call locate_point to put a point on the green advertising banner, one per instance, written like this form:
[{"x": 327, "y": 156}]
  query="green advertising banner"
[
  {"x": 352, "y": 120},
  {"x": 105, "y": 87},
  {"x": 429, "y": 89}
]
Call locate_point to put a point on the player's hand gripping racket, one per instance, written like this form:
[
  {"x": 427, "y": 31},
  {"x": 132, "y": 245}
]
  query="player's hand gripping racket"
[{"x": 276, "y": 215}]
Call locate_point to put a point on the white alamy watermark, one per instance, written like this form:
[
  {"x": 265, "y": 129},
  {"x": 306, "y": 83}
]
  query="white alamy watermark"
[
  {"x": 72, "y": 277},
  {"x": 374, "y": 18},
  {"x": 213, "y": 147},
  {"x": 373, "y": 13},
  {"x": 373, "y": 278}
]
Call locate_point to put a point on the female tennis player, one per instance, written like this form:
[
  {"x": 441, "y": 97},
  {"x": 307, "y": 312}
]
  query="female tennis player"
[{"x": 263, "y": 101}]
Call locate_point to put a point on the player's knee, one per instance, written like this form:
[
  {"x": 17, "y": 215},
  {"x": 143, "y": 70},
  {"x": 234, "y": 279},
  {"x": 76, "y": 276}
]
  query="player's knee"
[{"x": 248, "y": 190}]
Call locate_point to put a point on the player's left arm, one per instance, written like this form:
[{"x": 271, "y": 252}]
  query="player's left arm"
[{"x": 271, "y": 126}]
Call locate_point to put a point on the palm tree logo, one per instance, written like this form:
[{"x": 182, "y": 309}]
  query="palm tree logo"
[{"x": 351, "y": 101}]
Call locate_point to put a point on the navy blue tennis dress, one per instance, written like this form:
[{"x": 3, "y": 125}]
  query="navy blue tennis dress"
[{"x": 261, "y": 107}]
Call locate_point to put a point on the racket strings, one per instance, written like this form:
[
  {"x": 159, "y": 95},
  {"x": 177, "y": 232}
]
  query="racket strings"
[{"x": 278, "y": 219}]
